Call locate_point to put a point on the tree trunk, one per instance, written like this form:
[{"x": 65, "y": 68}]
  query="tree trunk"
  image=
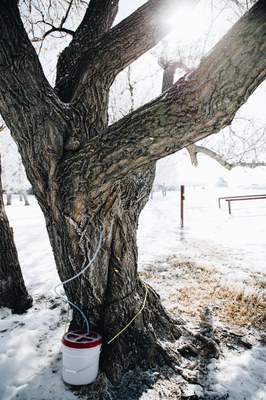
[
  {"x": 110, "y": 293},
  {"x": 111, "y": 303},
  {"x": 8, "y": 197},
  {"x": 23, "y": 195},
  {"x": 13, "y": 293}
]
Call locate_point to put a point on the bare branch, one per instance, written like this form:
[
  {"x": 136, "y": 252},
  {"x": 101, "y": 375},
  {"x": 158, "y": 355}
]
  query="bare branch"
[
  {"x": 122, "y": 45},
  {"x": 242, "y": 141},
  {"x": 169, "y": 68},
  {"x": 60, "y": 29},
  {"x": 59, "y": 15},
  {"x": 194, "y": 150},
  {"x": 67, "y": 14},
  {"x": 198, "y": 105}
]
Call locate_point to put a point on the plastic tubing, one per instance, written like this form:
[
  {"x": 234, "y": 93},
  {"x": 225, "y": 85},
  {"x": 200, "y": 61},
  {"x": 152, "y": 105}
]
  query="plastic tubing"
[{"x": 76, "y": 276}]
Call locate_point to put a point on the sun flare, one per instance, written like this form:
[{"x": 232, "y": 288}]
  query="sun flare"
[{"x": 186, "y": 23}]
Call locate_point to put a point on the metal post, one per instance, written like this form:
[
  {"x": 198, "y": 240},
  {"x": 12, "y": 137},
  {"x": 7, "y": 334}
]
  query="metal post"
[
  {"x": 229, "y": 206},
  {"x": 182, "y": 198}
]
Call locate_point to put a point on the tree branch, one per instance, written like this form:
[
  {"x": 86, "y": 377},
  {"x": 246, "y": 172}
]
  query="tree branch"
[
  {"x": 198, "y": 105},
  {"x": 59, "y": 29},
  {"x": 169, "y": 69},
  {"x": 194, "y": 150},
  {"x": 28, "y": 104},
  {"x": 67, "y": 13},
  {"x": 122, "y": 45},
  {"x": 98, "y": 19}
]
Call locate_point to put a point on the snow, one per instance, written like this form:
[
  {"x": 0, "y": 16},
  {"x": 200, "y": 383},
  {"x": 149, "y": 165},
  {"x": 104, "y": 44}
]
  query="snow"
[
  {"x": 235, "y": 245},
  {"x": 235, "y": 239},
  {"x": 244, "y": 374}
]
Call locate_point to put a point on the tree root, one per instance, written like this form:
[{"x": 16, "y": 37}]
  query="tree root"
[{"x": 169, "y": 366}]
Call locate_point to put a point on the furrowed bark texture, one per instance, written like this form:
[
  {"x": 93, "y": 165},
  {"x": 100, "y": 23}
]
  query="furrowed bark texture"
[
  {"x": 13, "y": 293},
  {"x": 90, "y": 177}
]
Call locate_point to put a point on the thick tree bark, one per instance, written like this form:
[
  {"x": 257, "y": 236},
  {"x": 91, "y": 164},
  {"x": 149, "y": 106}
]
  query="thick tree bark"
[
  {"x": 90, "y": 177},
  {"x": 13, "y": 293},
  {"x": 126, "y": 42}
]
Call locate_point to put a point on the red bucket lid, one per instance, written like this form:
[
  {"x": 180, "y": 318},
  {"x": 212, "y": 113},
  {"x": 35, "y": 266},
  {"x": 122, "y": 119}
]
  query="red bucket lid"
[{"x": 81, "y": 340}]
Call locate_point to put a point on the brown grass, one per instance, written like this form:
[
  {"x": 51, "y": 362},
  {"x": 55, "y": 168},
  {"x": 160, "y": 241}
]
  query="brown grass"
[{"x": 235, "y": 305}]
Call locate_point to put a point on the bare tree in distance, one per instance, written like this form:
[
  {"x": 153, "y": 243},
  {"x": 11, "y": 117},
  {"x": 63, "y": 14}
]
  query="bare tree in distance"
[
  {"x": 92, "y": 179},
  {"x": 14, "y": 178}
]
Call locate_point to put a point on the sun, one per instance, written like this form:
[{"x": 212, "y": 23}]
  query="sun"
[{"x": 186, "y": 22}]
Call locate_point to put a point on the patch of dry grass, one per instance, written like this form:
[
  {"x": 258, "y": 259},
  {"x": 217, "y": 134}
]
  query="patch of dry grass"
[{"x": 235, "y": 305}]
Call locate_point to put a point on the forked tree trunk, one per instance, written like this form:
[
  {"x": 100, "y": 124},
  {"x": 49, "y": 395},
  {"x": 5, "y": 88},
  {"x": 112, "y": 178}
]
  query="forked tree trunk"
[
  {"x": 110, "y": 292},
  {"x": 13, "y": 293}
]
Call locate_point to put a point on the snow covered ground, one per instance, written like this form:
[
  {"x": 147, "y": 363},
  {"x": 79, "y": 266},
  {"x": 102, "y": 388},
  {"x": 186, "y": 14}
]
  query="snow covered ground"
[
  {"x": 234, "y": 242},
  {"x": 234, "y": 246}
]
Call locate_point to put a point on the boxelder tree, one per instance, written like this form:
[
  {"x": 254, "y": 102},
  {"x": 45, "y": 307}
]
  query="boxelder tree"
[{"x": 90, "y": 176}]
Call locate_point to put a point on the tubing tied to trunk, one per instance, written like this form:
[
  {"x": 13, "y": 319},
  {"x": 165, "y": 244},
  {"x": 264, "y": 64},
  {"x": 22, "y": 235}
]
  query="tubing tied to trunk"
[{"x": 75, "y": 277}]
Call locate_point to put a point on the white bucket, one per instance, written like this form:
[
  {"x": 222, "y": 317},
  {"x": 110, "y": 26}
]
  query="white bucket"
[{"x": 81, "y": 353}]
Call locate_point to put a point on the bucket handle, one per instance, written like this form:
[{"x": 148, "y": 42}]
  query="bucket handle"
[{"x": 82, "y": 369}]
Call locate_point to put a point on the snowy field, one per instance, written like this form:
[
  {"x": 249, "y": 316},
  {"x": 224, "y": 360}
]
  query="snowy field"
[{"x": 232, "y": 246}]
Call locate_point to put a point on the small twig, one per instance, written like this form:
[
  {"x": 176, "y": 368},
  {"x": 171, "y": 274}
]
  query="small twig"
[{"x": 54, "y": 29}]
